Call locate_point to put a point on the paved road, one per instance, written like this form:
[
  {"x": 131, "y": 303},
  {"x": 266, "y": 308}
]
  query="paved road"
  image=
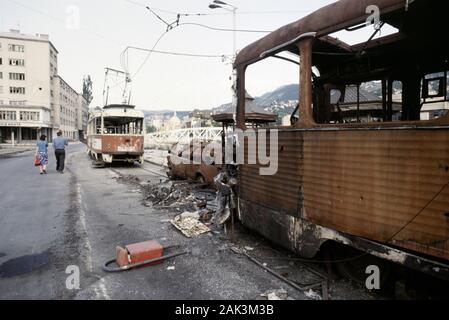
[
  {"x": 33, "y": 221},
  {"x": 50, "y": 222}
]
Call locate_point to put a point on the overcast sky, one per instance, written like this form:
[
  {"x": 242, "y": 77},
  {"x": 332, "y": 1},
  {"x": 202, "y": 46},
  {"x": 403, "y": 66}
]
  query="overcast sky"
[{"x": 106, "y": 27}]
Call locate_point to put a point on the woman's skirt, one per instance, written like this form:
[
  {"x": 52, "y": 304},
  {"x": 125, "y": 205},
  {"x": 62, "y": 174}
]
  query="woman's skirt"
[{"x": 43, "y": 158}]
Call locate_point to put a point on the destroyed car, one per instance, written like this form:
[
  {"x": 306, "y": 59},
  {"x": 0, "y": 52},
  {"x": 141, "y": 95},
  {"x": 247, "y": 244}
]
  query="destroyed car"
[{"x": 183, "y": 162}]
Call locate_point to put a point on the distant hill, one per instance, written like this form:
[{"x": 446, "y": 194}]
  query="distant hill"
[
  {"x": 285, "y": 93},
  {"x": 281, "y": 101}
]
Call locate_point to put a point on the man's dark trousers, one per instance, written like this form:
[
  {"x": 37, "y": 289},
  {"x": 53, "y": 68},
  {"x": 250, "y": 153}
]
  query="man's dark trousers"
[{"x": 60, "y": 158}]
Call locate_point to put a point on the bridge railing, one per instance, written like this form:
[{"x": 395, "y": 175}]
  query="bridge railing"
[{"x": 165, "y": 139}]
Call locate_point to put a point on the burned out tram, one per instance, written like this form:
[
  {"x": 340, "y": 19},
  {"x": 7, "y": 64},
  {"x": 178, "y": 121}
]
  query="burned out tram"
[
  {"x": 372, "y": 176},
  {"x": 116, "y": 134}
]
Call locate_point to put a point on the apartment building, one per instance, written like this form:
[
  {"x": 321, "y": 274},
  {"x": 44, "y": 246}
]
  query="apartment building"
[
  {"x": 71, "y": 109},
  {"x": 34, "y": 99}
]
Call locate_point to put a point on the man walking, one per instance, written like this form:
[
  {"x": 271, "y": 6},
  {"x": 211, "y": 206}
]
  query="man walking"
[{"x": 59, "y": 144}]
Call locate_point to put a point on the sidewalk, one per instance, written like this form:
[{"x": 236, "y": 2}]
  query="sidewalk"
[{"x": 8, "y": 149}]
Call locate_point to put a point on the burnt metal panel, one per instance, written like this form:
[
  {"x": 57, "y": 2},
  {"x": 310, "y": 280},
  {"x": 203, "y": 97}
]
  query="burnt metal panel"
[
  {"x": 281, "y": 191},
  {"x": 117, "y": 144},
  {"x": 389, "y": 185},
  {"x": 333, "y": 17}
]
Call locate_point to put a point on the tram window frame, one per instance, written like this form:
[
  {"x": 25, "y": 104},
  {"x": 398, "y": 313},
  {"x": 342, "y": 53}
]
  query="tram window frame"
[
  {"x": 134, "y": 126},
  {"x": 284, "y": 58}
]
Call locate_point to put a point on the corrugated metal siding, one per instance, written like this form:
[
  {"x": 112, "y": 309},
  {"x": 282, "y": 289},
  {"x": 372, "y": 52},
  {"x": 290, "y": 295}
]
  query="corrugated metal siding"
[
  {"x": 384, "y": 185},
  {"x": 282, "y": 190},
  {"x": 373, "y": 184},
  {"x": 123, "y": 143}
]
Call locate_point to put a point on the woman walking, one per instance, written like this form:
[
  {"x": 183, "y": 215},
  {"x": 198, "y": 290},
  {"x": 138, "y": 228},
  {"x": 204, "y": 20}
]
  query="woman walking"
[{"x": 42, "y": 153}]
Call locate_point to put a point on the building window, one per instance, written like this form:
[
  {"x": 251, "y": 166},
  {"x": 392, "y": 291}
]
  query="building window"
[
  {"x": 17, "y": 62},
  {"x": 1, "y": 75},
  {"x": 29, "y": 116},
  {"x": 16, "y": 76},
  {"x": 17, "y": 90},
  {"x": 8, "y": 115},
  {"x": 17, "y": 103},
  {"x": 1, "y": 89},
  {"x": 16, "y": 48},
  {"x": 1, "y": 61}
]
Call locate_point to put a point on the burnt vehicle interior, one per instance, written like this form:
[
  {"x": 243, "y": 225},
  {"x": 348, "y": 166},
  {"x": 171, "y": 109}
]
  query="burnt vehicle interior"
[
  {"x": 123, "y": 125},
  {"x": 409, "y": 76},
  {"x": 119, "y": 125},
  {"x": 408, "y": 67}
]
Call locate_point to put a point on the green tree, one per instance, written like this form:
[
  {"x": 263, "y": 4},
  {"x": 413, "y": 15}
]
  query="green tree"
[
  {"x": 87, "y": 89},
  {"x": 151, "y": 129}
]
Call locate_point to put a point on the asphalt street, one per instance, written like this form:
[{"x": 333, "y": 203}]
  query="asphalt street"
[{"x": 50, "y": 222}]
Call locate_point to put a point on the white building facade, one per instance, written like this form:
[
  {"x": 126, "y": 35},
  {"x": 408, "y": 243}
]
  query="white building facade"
[{"x": 34, "y": 100}]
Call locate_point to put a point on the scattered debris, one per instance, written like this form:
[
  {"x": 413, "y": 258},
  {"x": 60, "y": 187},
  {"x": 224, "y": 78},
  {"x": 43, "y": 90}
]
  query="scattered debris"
[
  {"x": 226, "y": 198},
  {"x": 237, "y": 250},
  {"x": 171, "y": 268},
  {"x": 281, "y": 277},
  {"x": 281, "y": 267},
  {"x": 279, "y": 294},
  {"x": 223, "y": 212},
  {"x": 148, "y": 253},
  {"x": 189, "y": 226},
  {"x": 194, "y": 215},
  {"x": 170, "y": 195},
  {"x": 205, "y": 215},
  {"x": 312, "y": 295}
]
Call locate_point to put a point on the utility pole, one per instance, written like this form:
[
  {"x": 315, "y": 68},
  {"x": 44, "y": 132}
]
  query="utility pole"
[{"x": 217, "y": 4}]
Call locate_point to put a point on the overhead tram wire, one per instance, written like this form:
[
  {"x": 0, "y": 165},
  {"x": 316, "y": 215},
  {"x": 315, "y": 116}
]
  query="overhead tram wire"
[
  {"x": 184, "y": 54},
  {"x": 174, "y": 25},
  {"x": 223, "y": 29},
  {"x": 219, "y": 13}
]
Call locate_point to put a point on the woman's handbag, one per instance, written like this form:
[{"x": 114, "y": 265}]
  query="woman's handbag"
[{"x": 37, "y": 162}]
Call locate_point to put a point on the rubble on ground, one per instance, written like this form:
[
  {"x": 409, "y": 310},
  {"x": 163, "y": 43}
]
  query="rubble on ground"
[
  {"x": 312, "y": 295},
  {"x": 189, "y": 224},
  {"x": 180, "y": 196},
  {"x": 170, "y": 195},
  {"x": 279, "y": 294}
]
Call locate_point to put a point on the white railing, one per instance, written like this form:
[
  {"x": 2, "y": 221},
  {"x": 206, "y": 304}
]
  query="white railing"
[{"x": 164, "y": 139}]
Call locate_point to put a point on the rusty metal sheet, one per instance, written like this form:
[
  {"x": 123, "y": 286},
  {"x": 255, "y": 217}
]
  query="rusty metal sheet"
[
  {"x": 331, "y": 18},
  {"x": 389, "y": 185},
  {"x": 191, "y": 170},
  {"x": 117, "y": 144},
  {"x": 373, "y": 184},
  {"x": 282, "y": 190}
]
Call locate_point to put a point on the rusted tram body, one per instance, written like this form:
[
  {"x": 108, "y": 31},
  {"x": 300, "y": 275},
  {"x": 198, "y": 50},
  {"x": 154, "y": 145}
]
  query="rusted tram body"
[
  {"x": 116, "y": 134},
  {"x": 378, "y": 183}
]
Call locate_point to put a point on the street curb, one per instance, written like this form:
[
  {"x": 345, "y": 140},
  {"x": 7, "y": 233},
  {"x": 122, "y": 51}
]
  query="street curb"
[{"x": 9, "y": 152}]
